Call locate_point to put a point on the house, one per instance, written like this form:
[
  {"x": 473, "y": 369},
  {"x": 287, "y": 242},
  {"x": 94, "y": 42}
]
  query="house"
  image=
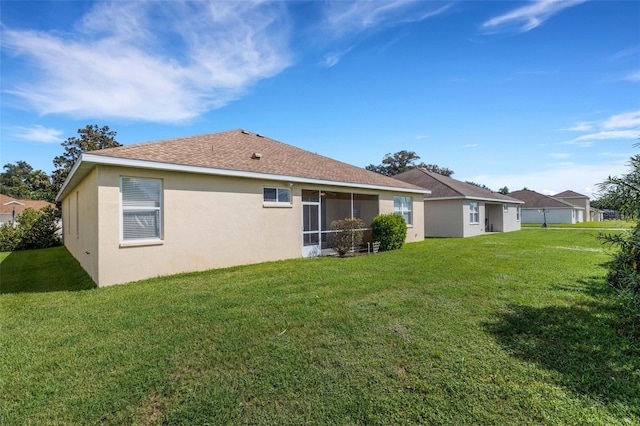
[
  {"x": 215, "y": 200},
  {"x": 10, "y": 208},
  {"x": 458, "y": 209},
  {"x": 586, "y": 213},
  {"x": 540, "y": 208}
]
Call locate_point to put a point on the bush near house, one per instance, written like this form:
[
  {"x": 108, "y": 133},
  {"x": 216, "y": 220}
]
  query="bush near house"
[
  {"x": 347, "y": 236},
  {"x": 34, "y": 229},
  {"x": 390, "y": 229}
]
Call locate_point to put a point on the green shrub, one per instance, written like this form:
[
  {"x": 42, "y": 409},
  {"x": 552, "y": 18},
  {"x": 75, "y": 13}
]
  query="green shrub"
[
  {"x": 623, "y": 270},
  {"x": 390, "y": 229},
  {"x": 347, "y": 236},
  {"x": 34, "y": 229}
]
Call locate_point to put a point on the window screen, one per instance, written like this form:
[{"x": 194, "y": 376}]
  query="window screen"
[{"x": 141, "y": 208}]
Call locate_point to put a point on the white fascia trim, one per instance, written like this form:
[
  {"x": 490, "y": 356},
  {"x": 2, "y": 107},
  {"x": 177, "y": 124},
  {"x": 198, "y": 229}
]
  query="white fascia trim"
[
  {"x": 463, "y": 197},
  {"x": 143, "y": 164},
  {"x": 553, "y": 208},
  {"x": 72, "y": 172}
]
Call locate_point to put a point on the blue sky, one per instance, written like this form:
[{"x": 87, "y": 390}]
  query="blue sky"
[{"x": 543, "y": 95}]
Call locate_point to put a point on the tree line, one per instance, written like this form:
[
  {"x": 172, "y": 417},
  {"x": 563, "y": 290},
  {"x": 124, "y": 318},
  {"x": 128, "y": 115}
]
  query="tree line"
[{"x": 20, "y": 180}]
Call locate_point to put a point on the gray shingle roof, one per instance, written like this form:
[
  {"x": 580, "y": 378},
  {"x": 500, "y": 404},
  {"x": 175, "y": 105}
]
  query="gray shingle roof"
[
  {"x": 535, "y": 200},
  {"x": 569, "y": 194},
  {"x": 239, "y": 150},
  {"x": 447, "y": 187}
]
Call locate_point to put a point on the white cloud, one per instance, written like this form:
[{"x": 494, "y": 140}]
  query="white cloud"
[
  {"x": 528, "y": 17},
  {"x": 342, "y": 17},
  {"x": 470, "y": 145},
  {"x": 582, "y": 126},
  {"x": 632, "y": 76},
  {"x": 555, "y": 178},
  {"x": 115, "y": 64},
  {"x": 332, "y": 58},
  {"x": 625, "y": 53},
  {"x": 36, "y": 133},
  {"x": 344, "y": 21},
  {"x": 559, "y": 155},
  {"x": 620, "y": 126},
  {"x": 422, "y": 137},
  {"x": 623, "y": 121},
  {"x": 608, "y": 134}
]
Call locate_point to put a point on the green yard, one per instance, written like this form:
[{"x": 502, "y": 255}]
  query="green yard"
[{"x": 512, "y": 328}]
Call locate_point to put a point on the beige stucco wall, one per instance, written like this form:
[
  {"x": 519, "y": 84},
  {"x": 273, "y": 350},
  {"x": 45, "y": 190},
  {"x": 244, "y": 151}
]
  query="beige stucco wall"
[
  {"x": 80, "y": 219},
  {"x": 473, "y": 229},
  {"x": 208, "y": 222},
  {"x": 443, "y": 218},
  {"x": 511, "y": 219},
  {"x": 580, "y": 202},
  {"x": 559, "y": 215},
  {"x": 450, "y": 218}
]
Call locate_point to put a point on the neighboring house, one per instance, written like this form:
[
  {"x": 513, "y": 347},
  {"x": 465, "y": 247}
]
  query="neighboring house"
[
  {"x": 10, "y": 208},
  {"x": 215, "y": 200},
  {"x": 540, "y": 208},
  {"x": 586, "y": 214},
  {"x": 458, "y": 209}
]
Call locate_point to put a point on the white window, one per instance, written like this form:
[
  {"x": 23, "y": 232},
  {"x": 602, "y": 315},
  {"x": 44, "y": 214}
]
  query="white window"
[
  {"x": 141, "y": 209},
  {"x": 277, "y": 195},
  {"x": 505, "y": 208},
  {"x": 518, "y": 213},
  {"x": 474, "y": 213},
  {"x": 402, "y": 207}
]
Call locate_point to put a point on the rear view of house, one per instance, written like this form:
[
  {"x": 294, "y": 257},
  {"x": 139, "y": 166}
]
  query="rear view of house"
[
  {"x": 586, "y": 213},
  {"x": 458, "y": 209},
  {"x": 540, "y": 208},
  {"x": 215, "y": 200}
]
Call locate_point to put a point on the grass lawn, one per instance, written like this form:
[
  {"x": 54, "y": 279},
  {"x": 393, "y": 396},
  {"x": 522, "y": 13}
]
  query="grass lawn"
[
  {"x": 40, "y": 271},
  {"x": 511, "y": 328},
  {"x": 605, "y": 224}
]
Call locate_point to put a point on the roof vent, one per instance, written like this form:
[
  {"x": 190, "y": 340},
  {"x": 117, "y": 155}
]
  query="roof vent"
[
  {"x": 259, "y": 135},
  {"x": 256, "y": 156},
  {"x": 244, "y": 131}
]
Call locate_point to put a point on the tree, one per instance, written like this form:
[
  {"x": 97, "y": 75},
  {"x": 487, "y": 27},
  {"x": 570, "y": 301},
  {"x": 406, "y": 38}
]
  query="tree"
[
  {"x": 90, "y": 138},
  {"x": 19, "y": 180},
  {"x": 402, "y": 161},
  {"x": 479, "y": 185},
  {"x": 623, "y": 194},
  {"x": 34, "y": 229},
  {"x": 504, "y": 191}
]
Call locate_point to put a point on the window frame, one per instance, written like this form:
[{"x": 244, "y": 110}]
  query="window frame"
[
  {"x": 474, "y": 210},
  {"x": 277, "y": 201},
  {"x": 401, "y": 207},
  {"x": 159, "y": 209}
]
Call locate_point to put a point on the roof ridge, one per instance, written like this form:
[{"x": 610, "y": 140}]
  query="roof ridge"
[{"x": 442, "y": 182}]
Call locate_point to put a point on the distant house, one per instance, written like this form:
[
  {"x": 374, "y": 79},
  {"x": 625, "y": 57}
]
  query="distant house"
[
  {"x": 216, "y": 200},
  {"x": 10, "y": 208},
  {"x": 540, "y": 208},
  {"x": 458, "y": 209},
  {"x": 586, "y": 214}
]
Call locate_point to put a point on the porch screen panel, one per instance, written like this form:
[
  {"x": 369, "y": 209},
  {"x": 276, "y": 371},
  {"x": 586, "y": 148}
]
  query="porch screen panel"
[
  {"x": 141, "y": 208},
  {"x": 311, "y": 224}
]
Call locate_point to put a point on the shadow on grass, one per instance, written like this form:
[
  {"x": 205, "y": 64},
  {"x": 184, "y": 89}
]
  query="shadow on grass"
[
  {"x": 41, "y": 271},
  {"x": 593, "y": 349}
]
